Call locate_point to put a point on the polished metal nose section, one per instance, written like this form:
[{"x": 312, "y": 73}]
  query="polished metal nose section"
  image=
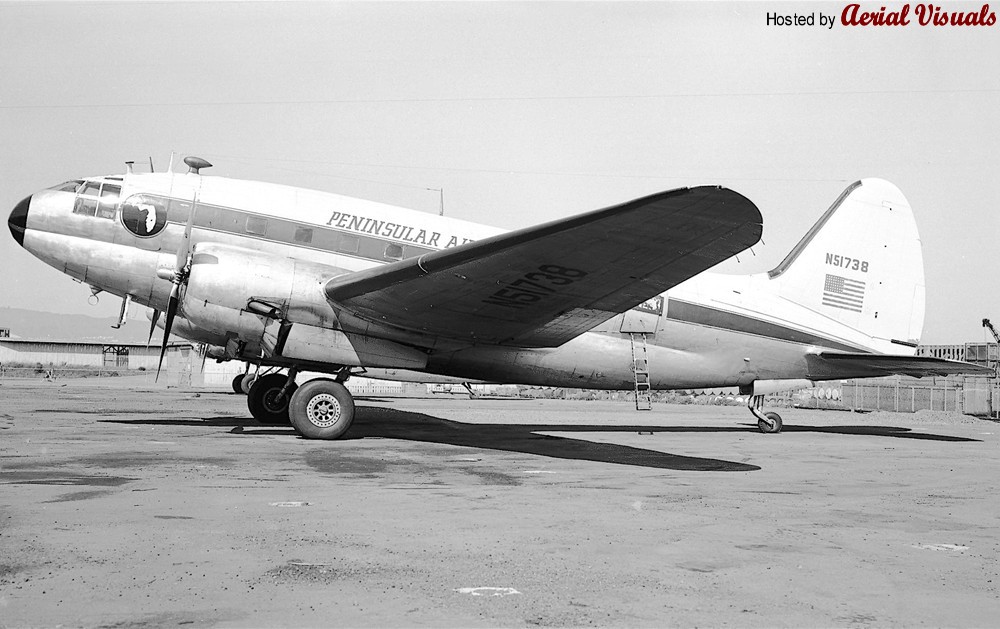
[{"x": 18, "y": 221}]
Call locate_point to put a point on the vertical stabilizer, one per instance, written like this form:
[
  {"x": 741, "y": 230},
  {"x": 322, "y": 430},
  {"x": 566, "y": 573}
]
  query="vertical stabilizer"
[{"x": 861, "y": 265}]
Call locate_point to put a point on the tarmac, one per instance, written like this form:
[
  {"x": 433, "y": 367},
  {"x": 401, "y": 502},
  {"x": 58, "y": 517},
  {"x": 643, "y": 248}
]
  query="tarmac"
[{"x": 130, "y": 507}]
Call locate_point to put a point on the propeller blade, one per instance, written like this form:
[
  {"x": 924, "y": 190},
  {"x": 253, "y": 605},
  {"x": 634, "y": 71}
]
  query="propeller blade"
[
  {"x": 152, "y": 325},
  {"x": 183, "y": 264},
  {"x": 184, "y": 250},
  {"x": 168, "y": 323}
]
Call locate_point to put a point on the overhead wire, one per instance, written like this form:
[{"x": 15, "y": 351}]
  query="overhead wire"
[{"x": 475, "y": 99}]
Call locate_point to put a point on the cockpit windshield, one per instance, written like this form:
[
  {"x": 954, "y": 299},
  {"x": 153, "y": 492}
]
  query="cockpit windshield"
[
  {"x": 69, "y": 186},
  {"x": 93, "y": 198}
]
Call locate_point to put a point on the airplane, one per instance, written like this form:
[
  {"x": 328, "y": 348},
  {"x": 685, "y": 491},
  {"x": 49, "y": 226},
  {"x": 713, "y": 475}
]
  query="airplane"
[{"x": 619, "y": 298}]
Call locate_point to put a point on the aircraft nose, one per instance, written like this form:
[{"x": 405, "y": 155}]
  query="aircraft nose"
[{"x": 18, "y": 221}]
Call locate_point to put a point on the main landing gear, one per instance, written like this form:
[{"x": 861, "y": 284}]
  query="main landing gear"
[
  {"x": 767, "y": 422},
  {"x": 243, "y": 382},
  {"x": 269, "y": 397},
  {"x": 322, "y": 409},
  {"x": 319, "y": 409}
]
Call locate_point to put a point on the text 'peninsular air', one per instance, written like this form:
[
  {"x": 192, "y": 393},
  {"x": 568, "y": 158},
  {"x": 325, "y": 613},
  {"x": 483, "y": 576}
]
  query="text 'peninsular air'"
[{"x": 393, "y": 231}]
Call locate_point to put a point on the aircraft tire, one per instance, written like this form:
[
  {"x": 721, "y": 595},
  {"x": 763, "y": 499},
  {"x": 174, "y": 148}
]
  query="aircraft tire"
[
  {"x": 261, "y": 400},
  {"x": 322, "y": 409},
  {"x": 764, "y": 428},
  {"x": 247, "y": 382},
  {"x": 238, "y": 384}
]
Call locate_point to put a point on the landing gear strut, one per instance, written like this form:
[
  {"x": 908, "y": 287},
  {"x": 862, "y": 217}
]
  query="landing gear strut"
[{"x": 766, "y": 422}]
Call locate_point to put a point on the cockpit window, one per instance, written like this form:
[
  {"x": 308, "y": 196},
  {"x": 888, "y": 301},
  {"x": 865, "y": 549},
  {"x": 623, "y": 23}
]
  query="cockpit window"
[
  {"x": 92, "y": 200},
  {"x": 109, "y": 200},
  {"x": 86, "y": 201}
]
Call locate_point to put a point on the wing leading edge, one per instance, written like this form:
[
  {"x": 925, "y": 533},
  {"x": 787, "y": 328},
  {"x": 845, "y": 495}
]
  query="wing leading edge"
[
  {"x": 543, "y": 285},
  {"x": 827, "y": 365}
]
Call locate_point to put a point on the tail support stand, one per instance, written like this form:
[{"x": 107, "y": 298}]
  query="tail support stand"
[
  {"x": 766, "y": 422},
  {"x": 468, "y": 388}
]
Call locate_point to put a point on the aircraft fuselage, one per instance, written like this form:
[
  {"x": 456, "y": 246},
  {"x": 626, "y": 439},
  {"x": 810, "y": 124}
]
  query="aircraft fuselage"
[{"x": 282, "y": 242}]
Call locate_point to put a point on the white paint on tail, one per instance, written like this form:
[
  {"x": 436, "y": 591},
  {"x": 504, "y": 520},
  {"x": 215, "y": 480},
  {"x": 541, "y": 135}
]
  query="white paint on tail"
[{"x": 861, "y": 265}]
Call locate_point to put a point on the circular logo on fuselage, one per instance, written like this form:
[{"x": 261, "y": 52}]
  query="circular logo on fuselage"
[{"x": 143, "y": 215}]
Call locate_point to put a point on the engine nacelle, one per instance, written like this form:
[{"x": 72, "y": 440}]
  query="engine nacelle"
[
  {"x": 224, "y": 279},
  {"x": 277, "y": 304},
  {"x": 187, "y": 330}
]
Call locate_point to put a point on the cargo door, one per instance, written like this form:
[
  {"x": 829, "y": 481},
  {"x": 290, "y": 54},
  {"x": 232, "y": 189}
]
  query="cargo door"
[{"x": 644, "y": 318}]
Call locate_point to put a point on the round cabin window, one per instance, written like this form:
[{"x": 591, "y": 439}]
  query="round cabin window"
[{"x": 144, "y": 215}]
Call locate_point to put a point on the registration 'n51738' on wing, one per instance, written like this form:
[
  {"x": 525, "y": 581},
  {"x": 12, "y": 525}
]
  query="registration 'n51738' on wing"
[
  {"x": 846, "y": 262},
  {"x": 534, "y": 286}
]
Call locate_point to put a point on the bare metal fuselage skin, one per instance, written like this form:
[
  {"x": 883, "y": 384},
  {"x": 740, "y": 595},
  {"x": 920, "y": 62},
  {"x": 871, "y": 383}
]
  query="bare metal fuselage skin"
[{"x": 280, "y": 244}]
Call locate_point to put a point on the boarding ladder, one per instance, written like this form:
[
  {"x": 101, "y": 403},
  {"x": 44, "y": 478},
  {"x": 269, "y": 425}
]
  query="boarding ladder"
[{"x": 640, "y": 367}]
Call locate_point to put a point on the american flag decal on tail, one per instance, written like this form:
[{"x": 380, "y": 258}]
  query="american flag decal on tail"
[{"x": 840, "y": 292}]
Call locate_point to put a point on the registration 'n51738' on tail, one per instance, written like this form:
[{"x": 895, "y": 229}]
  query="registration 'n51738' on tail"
[{"x": 617, "y": 298}]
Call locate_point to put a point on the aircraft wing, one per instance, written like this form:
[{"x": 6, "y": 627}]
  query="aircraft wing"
[
  {"x": 541, "y": 286},
  {"x": 827, "y": 365}
]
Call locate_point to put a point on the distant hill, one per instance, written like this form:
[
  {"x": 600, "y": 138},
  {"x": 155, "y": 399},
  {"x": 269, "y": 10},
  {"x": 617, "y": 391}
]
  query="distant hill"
[{"x": 49, "y": 326}]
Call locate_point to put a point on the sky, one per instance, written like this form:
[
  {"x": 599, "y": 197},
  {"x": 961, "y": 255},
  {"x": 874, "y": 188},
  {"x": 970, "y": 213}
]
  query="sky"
[{"x": 521, "y": 113}]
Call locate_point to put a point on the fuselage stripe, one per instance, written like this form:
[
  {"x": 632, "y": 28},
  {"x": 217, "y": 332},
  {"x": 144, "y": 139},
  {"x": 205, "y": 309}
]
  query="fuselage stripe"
[
  {"x": 279, "y": 230},
  {"x": 712, "y": 317}
]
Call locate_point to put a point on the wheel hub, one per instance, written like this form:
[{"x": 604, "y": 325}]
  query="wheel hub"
[
  {"x": 273, "y": 403},
  {"x": 323, "y": 410}
]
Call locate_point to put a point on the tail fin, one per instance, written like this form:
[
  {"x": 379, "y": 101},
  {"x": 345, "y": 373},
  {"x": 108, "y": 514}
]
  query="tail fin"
[{"x": 861, "y": 264}]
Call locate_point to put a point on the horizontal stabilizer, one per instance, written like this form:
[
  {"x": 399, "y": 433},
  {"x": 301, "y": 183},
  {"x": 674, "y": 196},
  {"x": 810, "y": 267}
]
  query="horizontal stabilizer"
[
  {"x": 544, "y": 285},
  {"x": 833, "y": 365}
]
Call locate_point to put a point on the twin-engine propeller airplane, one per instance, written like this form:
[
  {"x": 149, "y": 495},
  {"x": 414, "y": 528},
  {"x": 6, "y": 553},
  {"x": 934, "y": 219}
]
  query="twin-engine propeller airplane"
[{"x": 301, "y": 280}]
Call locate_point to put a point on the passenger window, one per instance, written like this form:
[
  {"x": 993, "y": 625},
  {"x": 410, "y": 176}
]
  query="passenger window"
[
  {"x": 109, "y": 201},
  {"x": 256, "y": 225},
  {"x": 179, "y": 210},
  {"x": 303, "y": 234},
  {"x": 394, "y": 252},
  {"x": 349, "y": 244},
  {"x": 86, "y": 202}
]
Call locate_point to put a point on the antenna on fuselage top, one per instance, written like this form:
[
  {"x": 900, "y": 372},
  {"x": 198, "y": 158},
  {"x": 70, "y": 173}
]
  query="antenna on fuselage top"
[
  {"x": 195, "y": 164},
  {"x": 440, "y": 192},
  {"x": 151, "y": 164}
]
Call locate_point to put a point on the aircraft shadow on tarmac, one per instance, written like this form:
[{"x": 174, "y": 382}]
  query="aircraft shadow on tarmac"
[{"x": 409, "y": 426}]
